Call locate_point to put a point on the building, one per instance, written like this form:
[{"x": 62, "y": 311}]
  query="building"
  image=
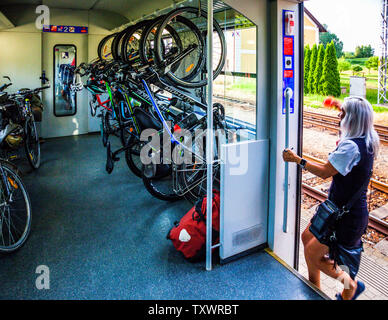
[{"x": 312, "y": 29}]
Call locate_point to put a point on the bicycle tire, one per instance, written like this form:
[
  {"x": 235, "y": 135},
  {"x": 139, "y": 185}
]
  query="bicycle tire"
[
  {"x": 33, "y": 156},
  {"x": 181, "y": 82},
  {"x": 116, "y": 43},
  {"x": 102, "y": 44},
  {"x": 148, "y": 29},
  {"x": 132, "y": 156},
  {"x": 127, "y": 38},
  {"x": 16, "y": 181},
  {"x": 150, "y": 185},
  {"x": 104, "y": 136},
  {"x": 193, "y": 187}
]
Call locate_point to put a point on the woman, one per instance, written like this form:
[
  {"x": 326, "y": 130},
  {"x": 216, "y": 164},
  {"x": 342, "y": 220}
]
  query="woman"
[{"x": 350, "y": 166}]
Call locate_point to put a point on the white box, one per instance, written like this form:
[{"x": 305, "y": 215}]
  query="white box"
[{"x": 357, "y": 87}]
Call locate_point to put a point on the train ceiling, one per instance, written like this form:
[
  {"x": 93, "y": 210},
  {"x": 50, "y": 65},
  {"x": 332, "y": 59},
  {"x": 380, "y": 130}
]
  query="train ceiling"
[{"x": 130, "y": 9}]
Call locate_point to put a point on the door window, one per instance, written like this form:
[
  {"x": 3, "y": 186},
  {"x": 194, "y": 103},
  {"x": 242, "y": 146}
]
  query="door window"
[{"x": 65, "y": 62}]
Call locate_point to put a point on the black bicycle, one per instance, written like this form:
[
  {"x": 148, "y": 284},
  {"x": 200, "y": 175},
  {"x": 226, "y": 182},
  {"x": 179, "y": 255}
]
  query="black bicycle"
[{"x": 18, "y": 126}]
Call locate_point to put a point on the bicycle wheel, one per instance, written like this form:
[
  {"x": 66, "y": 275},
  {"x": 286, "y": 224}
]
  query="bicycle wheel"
[
  {"x": 161, "y": 184},
  {"x": 147, "y": 42},
  {"x": 190, "y": 38},
  {"x": 116, "y": 44},
  {"x": 104, "y": 130},
  {"x": 111, "y": 124},
  {"x": 32, "y": 145},
  {"x": 15, "y": 211},
  {"x": 132, "y": 156},
  {"x": 104, "y": 50},
  {"x": 190, "y": 177},
  {"x": 130, "y": 45}
]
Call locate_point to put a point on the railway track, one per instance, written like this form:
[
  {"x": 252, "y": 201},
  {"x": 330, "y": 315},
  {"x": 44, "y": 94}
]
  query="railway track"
[
  {"x": 374, "y": 222},
  {"x": 332, "y": 124},
  {"x": 381, "y": 186}
]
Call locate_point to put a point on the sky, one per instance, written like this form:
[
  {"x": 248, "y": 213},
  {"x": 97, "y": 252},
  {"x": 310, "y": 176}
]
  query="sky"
[{"x": 355, "y": 22}]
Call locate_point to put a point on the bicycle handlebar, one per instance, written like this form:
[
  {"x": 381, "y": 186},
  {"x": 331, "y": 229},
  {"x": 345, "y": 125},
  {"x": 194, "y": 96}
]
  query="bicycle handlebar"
[{"x": 5, "y": 86}]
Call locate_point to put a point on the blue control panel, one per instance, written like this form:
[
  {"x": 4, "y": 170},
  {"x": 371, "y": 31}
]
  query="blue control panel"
[
  {"x": 65, "y": 29},
  {"x": 288, "y": 56}
]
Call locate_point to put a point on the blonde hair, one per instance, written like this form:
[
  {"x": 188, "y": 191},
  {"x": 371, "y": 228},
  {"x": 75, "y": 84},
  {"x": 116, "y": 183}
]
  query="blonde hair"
[{"x": 358, "y": 123}]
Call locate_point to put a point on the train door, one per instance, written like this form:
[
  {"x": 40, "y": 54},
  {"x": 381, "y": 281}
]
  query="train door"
[{"x": 66, "y": 112}]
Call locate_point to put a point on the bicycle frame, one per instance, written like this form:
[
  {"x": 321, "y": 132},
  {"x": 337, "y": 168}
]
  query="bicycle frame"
[{"x": 164, "y": 123}]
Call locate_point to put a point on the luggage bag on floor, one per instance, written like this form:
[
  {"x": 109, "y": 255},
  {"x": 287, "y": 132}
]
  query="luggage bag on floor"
[{"x": 189, "y": 234}]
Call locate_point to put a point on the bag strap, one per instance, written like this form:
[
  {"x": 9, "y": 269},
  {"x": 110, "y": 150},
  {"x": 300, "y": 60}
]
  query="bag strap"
[
  {"x": 356, "y": 196},
  {"x": 198, "y": 210}
]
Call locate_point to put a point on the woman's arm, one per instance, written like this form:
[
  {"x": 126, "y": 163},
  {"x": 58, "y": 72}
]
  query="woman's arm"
[{"x": 323, "y": 171}]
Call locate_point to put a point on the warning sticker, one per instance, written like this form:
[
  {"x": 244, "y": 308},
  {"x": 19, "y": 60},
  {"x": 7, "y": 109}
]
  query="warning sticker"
[
  {"x": 288, "y": 73},
  {"x": 288, "y": 46}
]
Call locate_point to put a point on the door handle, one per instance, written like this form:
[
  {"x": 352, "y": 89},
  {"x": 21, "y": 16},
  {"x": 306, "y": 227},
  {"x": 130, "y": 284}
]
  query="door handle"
[{"x": 288, "y": 95}]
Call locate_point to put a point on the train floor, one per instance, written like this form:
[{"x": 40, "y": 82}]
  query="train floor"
[{"x": 104, "y": 237}]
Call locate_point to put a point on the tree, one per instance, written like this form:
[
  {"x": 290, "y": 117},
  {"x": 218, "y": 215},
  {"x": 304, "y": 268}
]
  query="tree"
[
  {"x": 317, "y": 86},
  {"x": 372, "y": 63},
  {"x": 313, "y": 63},
  {"x": 343, "y": 65},
  {"x": 349, "y": 55},
  {"x": 307, "y": 56},
  {"x": 331, "y": 85},
  {"x": 326, "y": 37},
  {"x": 364, "y": 51}
]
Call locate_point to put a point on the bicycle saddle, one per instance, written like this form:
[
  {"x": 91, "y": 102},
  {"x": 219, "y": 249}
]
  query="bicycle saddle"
[{"x": 146, "y": 121}]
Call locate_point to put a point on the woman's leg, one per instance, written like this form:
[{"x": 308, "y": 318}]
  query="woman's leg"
[
  {"x": 316, "y": 253},
  {"x": 307, "y": 235},
  {"x": 313, "y": 271}
]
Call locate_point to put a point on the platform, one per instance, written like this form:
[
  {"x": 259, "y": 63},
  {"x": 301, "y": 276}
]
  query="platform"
[{"x": 104, "y": 237}]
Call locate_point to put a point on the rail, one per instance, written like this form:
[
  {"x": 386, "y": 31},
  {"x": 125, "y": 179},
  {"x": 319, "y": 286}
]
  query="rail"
[{"x": 331, "y": 123}]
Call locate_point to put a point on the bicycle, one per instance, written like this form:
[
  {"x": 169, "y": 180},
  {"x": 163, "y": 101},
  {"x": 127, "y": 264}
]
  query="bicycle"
[{"x": 18, "y": 124}]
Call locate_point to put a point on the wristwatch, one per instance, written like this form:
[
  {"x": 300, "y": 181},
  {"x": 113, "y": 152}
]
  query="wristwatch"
[{"x": 303, "y": 163}]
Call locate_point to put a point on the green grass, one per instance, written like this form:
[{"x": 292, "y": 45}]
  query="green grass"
[
  {"x": 360, "y": 61},
  {"x": 379, "y": 109},
  {"x": 244, "y": 84}
]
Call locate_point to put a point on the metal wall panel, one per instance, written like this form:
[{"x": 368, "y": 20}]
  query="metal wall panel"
[{"x": 244, "y": 194}]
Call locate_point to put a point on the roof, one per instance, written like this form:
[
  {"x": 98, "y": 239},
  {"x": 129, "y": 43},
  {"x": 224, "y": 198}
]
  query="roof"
[{"x": 319, "y": 25}]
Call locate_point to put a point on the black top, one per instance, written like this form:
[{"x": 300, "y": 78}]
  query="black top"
[{"x": 353, "y": 224}]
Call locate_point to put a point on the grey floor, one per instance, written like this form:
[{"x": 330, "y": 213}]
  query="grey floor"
[{"x": 103, "y": 237}]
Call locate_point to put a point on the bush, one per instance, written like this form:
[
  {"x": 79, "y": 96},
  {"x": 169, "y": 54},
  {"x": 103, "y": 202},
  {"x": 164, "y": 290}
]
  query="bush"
[
  {"x": 356, "y": 69},
  {"x": 343, "y": 65},
  {"x": 330, "y": 80},
  {"x": 307, "y": 56},
  {"x": 313, "y": 63}
]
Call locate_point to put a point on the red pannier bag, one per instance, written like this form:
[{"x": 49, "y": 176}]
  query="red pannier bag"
[{"x": 189, "y": 234}]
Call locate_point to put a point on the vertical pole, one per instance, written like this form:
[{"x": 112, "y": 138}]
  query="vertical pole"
[
  {"x": 288, "y": 95},
  {"x": 382, "y": 78},
  {"x": 209, "y": 134}
]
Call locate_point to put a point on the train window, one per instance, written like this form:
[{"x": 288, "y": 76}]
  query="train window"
[
  {"x": 235, "y": 87},
  {"x": 65, "y": 61}
]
